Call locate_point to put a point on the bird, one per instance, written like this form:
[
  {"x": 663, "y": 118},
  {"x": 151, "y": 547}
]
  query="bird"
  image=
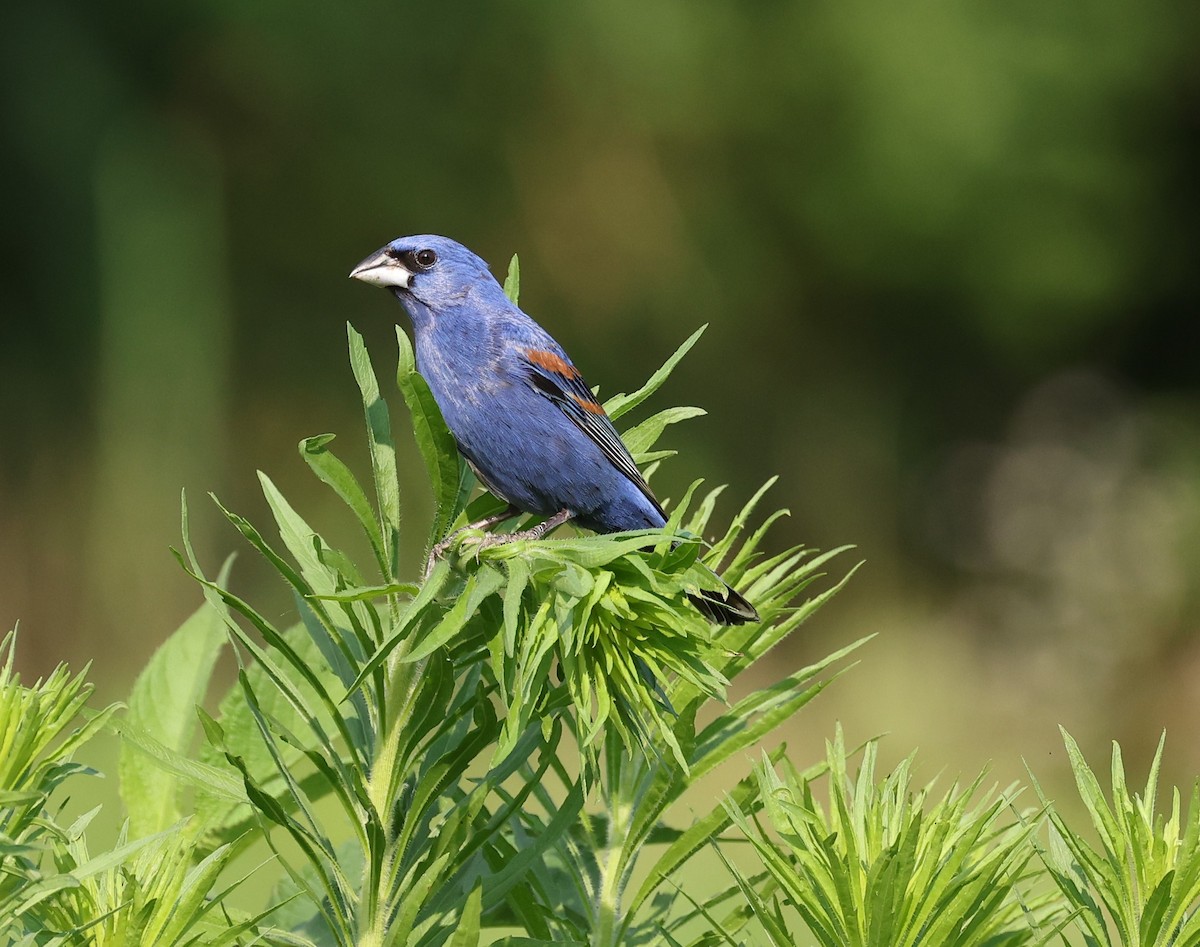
[{"x": 519, "y": 410}]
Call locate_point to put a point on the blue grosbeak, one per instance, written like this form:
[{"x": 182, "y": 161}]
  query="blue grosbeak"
[{"x": 522, "y": 415}]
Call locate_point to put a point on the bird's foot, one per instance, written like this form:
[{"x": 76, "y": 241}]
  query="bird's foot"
[
  {"x": 534, "y": 532},
  {"x": 439, "y": 550},
  {"x": 488, "y": 540}
]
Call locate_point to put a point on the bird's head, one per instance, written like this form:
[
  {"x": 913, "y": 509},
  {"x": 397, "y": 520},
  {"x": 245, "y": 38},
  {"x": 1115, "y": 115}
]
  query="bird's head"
[{"x": 433, "y": 270}]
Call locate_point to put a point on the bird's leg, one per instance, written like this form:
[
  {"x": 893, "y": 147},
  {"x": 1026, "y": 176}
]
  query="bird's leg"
[
  {"x": 487, "y": 522},
  {"x": 534, "y": 532}
]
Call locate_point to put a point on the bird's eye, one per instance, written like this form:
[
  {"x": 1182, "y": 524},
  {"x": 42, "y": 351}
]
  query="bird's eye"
[{"x": 426, "y": 258}]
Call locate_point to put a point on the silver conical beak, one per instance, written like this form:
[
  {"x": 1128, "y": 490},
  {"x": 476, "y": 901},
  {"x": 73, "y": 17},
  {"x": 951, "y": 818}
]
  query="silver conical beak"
[{"x": 380, "y": 269}]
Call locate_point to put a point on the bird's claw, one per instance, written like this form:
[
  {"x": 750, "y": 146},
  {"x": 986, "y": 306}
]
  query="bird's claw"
[
  {"x": 458, "y": 537},
  {"x": 484, "y": 541},
  {"x": 478, "y": 535},
  {"x": 435, "y": 554}
]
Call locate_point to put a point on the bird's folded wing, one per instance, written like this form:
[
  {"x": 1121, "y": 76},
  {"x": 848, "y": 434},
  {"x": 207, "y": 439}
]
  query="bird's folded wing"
[{"x": 560, "y": 381}]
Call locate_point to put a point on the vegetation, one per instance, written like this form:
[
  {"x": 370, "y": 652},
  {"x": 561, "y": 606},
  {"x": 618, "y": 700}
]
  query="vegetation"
[{"x": 501, "y": 754}]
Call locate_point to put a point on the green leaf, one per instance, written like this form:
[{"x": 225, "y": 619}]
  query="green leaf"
[
  {"x": 479, "y": 586},
  {"x": 643, "y": 437},
  {"x": 590, "y": 553},
  {"x": 162, "y": 705},
  {"x": 514, "y": 941},
  {"x": 773, "y": 925},
  {"x": 760, "y": 712},
  {"x": 301, "y": 540},
  {"x": 383, "y": 449},
  {"x": 340, "y": 645},
  {"x": 368, "y": 593},
  {"x": 187, "y": 772},
  {"x": 227, "y": 816},
  {"x": 467, "y": 932},
  {"x": 449, "y": 476},
  {"x": 725, "y": 544},
  {"x": 337, "y": 475},
  {"x": 536, "y": 848},
  {"x": 622, "y": 404},
  {"x": 512, "y": 282}
]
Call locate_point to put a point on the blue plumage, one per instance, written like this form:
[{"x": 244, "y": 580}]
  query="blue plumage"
[{"x": 518, "y": 408}]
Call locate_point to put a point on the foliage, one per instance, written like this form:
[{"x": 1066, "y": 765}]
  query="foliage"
[
  {"x": 1141, "y": 888},
  {"x": 36, "y": 749},
  {"x": 146, "y": 891},
  {"x": 501, "y": 752},
  {"x": 901, "y": 218},
  {"x": 152, "y": 889},
  {"x": 432, "y": 715},
  {"x": 884, "y": 864}
]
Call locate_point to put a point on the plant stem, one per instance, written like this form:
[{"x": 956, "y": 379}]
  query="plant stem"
[
  {"x": 620, "y": 786},
  {"x": 608, "y": 895},
  {"x": 402, "y": 679}
]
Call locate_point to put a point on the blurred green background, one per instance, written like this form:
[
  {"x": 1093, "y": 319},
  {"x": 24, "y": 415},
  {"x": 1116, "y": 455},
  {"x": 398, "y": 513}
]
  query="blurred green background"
[{"x": 948, "y": 254}]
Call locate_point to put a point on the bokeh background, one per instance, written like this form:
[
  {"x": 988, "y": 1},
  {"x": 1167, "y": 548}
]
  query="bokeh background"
[{"x": 948, "y": 253}]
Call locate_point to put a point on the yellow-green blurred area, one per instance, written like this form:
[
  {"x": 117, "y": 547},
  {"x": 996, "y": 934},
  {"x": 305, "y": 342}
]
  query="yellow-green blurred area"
[{"x": 947, "y": 250}]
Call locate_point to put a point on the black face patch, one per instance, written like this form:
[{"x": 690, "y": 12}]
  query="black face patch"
[{"x": 415, "y": 261}]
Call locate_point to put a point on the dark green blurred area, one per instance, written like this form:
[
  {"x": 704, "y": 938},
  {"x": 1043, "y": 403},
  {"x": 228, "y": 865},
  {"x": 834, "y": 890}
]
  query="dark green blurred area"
[{"x": 948, "y": 254}]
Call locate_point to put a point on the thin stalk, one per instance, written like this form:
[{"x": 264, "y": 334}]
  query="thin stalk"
[
  {"x": 622, "y": 780},
  {"x": 609, "y": 916},
  {"x": 402, "y": 679},
  {"x": 381, "y": 784}
]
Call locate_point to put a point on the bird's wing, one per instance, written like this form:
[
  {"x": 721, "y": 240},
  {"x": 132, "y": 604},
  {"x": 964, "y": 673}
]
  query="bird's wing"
[{"x": 556, "y": 378}]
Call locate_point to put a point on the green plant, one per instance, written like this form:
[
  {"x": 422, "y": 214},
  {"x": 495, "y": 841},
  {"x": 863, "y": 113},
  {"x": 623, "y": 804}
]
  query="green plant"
[
  {"x": 36, "y": 749},
  {"x": 146, "y": 891},
  {"x": 1141, "y": 886},
  {"x": 501, "y": 753},
  {"x": 434, "y": 716},
  {"x": 884, "y": 865},
  {"x": 151, "y": 889}
]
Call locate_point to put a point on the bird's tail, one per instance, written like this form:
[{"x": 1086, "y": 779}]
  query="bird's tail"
[{"x": 724, "y": 607}]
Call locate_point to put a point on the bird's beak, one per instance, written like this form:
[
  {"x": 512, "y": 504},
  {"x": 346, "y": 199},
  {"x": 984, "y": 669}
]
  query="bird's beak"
[{"x": 379, "y": 269}]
